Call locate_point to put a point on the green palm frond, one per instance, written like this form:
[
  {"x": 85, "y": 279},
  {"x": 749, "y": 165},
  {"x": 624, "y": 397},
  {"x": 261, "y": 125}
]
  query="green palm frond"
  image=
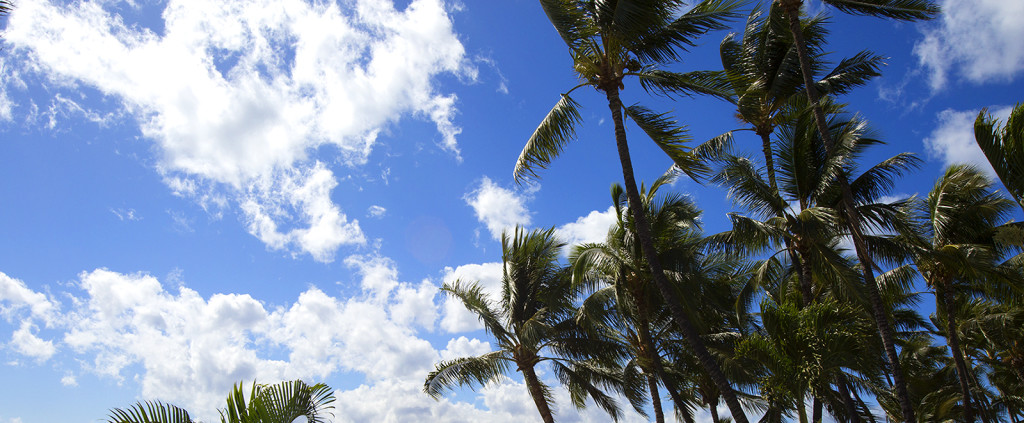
[
  {"x": 149, "y": 412},
  {"x": 1004, "y": 148},
  {"x": 568, "y": 20},
  {"x": 470, "y": 371},
  {"x": 549, "y": 139},
  {"x": 851, "y": 72},
  {"x": 670, "y": 137},
  {"x": 665, "y": 45},
  {"x": 589, "y": 380},
  {"x": 475, "y": 300},
  {"x": 672, "y": 84},
  {"x": 907, "y": 10}
]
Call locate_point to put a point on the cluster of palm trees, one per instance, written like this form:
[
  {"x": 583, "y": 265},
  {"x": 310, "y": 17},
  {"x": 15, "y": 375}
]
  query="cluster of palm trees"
[{"x": 807, "y": 305}]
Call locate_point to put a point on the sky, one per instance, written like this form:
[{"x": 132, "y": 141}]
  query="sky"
[{"x": 199, "y": 192}]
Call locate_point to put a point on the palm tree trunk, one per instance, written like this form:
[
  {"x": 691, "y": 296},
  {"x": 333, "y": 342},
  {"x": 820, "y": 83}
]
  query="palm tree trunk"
[
  {"x": 792, "y": 10},
  {"x": 769, "y": 162},
  {"x": 643, "y": 228},
  {"x": 533, "y": 384},
  {"x": 816, "y": 413},
  {"x": 852, "y": 415},
  {"x": 713, "y": 408},
  {"x": 652, "y": 384},
  {"x": 954, "y": 347}
]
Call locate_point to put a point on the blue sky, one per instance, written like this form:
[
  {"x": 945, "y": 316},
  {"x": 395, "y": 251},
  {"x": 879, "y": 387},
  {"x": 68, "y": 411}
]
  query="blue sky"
[{"x": 200, "y": 192}]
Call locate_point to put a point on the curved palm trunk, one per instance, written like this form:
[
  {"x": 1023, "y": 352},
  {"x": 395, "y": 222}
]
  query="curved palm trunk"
[
  {"x": 690, "y": 333},
  {"x": 652, "y": 384},
  {"x": 844, "y": 391},
  {"x": 713, "y": 408},
  {"x": 792, "y": 10},
  {"x": 533, "y": 384},
  {"x": 954, "y": 347}
]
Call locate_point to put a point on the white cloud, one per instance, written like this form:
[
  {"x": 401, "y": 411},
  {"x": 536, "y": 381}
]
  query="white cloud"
[
  {"x": 498, "y": 208},
  {"x": 27, "y": 343},
  {"x": 15, "y": 296},
  {"x": 953, "y": 138},
  {"x": 238, "y": 94},
  {"x": 69, "y": 380},
  {"x": 306, "y": 192},
  {"x": 456, "y": 318},
  {"x": 376, "y": 211},
  {"x": 980, "y": 40},
  {"x": 465, "y": 347},
  {"x": 590, "y": 228}
]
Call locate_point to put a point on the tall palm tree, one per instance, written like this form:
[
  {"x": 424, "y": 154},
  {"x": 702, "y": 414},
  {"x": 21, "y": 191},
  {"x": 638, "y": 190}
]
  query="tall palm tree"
[
  {"x": 617, "y": 39},
  {"x": 762, "y": 68},
  {"x": 533, "y": 318},
  {"x": 278, "y": 403},
  {"x": 1004, "y": 148},
  {"x": 955, "y": 247},
  {"x": 894, "y": 9}
]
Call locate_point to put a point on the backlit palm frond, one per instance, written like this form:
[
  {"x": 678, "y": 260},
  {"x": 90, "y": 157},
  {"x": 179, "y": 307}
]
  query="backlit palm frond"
[
  {"x": 549, "y": 139},
  {"x": 670, "y": 137},
  {"x": 906, "y": 10},
  {"x": 472, "y": 296},
  {"x": 672, "y": 84},
  {"x": 465, "y": 371},
  {"x": 665, "y": 43},
  {"x": 149, "y": 412},
  {"x": 1004, "y": 148}
]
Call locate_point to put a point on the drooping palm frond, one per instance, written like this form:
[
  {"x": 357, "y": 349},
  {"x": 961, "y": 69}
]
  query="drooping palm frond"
[
  {"x": 670, "y": 137},
  {"x": 1004, "y": 148},
  {"x": 549, "y": 139},
  {"x": 470, "y": 371},
  {"x": 906, "y": 10}
]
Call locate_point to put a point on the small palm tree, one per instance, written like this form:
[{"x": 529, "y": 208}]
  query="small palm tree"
[
  {"x": 533, "y": 319},
  {"x": 278, "y": 403},
  {"x": 610, "y": 42}
]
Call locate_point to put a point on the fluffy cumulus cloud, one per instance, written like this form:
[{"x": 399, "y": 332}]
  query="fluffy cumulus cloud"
[
  {"x": 590, "y": 228},
  {"x": 239, "y": 95},
  {"x": 499, "y": 208},
  {"x": 952, "y": 141},
  {"x": 978, "y": 40},
  {"x": 189, "y": 350}
]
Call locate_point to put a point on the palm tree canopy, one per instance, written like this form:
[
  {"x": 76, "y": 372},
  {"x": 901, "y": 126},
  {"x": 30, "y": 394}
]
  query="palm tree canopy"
[
  {"x": 614, "y": 39},
  {"x": 281, "y": 402}
]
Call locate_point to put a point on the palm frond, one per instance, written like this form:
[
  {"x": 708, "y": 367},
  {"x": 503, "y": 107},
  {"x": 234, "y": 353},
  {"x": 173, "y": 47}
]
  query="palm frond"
[
  {"x": 149, "y": 412},
  {"x": 906, "y": 10},
  {"x": 465, "y": 371},
  {"x": 549, "y": 139}
]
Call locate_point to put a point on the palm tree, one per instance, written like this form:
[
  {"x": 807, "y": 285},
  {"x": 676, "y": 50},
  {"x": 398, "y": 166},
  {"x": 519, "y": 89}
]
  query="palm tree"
[
  {"x": 610, "y": 41},
  {"x": 763, "y": 72},
  {"x": 278, "y": 403},
  {"x": 802, "y": 351},
  {"x": 534, "y": 317},
  {"x": 895, "y": 9},
  {"x": 955, "y": 248},
  {"x": 627, "y": 306},
  {"x": 1004, "y": 148}
]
